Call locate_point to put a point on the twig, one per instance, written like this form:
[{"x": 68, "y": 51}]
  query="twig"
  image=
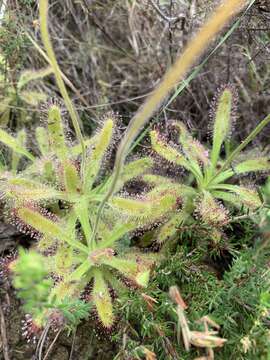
[
  {"x": 169, "y": 19},
  {"x": 4, "y": 335},
  {"x": 52, "y": 344},
  {"x": 72, "y": 346},
  {"x": 41, "y": 342}
]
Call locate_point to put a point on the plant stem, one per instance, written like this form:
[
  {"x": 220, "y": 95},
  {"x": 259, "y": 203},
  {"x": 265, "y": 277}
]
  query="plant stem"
[
  {"x": 43, "y": 13},
  {"x": 250, "y": 137}
]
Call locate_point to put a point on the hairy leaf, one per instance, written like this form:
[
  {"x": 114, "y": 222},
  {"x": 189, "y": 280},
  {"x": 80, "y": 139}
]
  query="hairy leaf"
[
  {"x": 102, "y": 300},
  {"x": 222, "y": 123},
  {"x": 97, "y": 154}
]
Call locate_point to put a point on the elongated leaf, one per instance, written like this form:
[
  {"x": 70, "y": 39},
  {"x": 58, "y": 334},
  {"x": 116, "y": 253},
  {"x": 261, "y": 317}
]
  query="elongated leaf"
[
  {"x": 33, "y": 98},
  {"x": 131, "y": 171},
  {"x": 157, "y": 180},
  {"x": 5, "y": 117},
  {"x": 63, "y": 260},
  {"x": 253, "y": 165},
  {"x": 56, "y": 133},
  {"x": 210, "y": 211},
  {"x": 102, "y": 300},
  {"x": 136, "y": 208},
  {"x": 117, "y": 233},
  {"x": 81, "y": 210},
  {"x": 4, "y": 105},
  {"x": 30, "y": 75},
  {"x": 246, "y": 196},
  {"x": 192, "y": 148},
  {"x": 222, "y": 123},
  {"x": 21, "y": 137},
  {"x": 155, "y": 205},
  {"x": 137, "y": 272},
  {"x": 42, "y": 140},
  {"x": 46, "y": 226},
  {"x": 14, "y": 144},
  {"x": 227, "y": 197},
  {"x": 26, "y": 190},
  {"x": 171, "y": 227},
  {"x": 97, "y": 154},
  {"x": 70, "y": 177},
  {"x": 166, "y": 151},
  {"x": 66, "y": 289}
]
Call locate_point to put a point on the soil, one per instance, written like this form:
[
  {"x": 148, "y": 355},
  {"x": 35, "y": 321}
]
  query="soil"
[{"x": 86, "y": 345}]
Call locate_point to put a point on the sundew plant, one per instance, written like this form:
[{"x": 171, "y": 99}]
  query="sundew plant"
[
  {"x": 212, "y": 187},
  {"x": 56, "y": 203}
]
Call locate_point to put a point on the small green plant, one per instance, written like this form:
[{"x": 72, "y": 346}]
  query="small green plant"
[{"x": 213, "y": 174}]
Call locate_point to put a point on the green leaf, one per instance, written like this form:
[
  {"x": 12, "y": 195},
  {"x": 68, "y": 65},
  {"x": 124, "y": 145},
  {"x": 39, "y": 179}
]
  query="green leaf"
[
  {"x": 117, "y": 233},
  {"x": 166, "y": 151},
  {"x": 82, "y": 211},
  {"x": 30, "y": 75},
  {"x": 42, "y": 140},
  {"x": 21, "y": 137},
  {"x": 171, "y": 227},
  {"x": 5, "y": 117},
  {"x": 142, "y": 279},
  {"x": 222, "y": 123},
  {"x": 192, "y": 148},
  {"x": 63, "y": 260},
  {"x": 253, "y": 165},
  {"x": 102, "y": 300},
  {"x": 14, "y": 145},
  {"x": 26, "y": 190},
  {"x": 4, "y": 105},
  {"x": 33, "y": 98},
  {"x": 155, "y": 204},
  {"x": 138, "y": 272},
  {"x": 56, "y": 133},
  {"x": 157, "y": 180},
  {"x": 227, "y": 197},
  {"x": 210, "y": 211},
  {"x": 70, "y": 178},
  {"x": 94, "y": 160},
  {"x": 131, "y": 171},
  {"x": 246, "y": 196},
  {"x": 47, "y": 227},
  {"x": 135, "y": 208}
]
